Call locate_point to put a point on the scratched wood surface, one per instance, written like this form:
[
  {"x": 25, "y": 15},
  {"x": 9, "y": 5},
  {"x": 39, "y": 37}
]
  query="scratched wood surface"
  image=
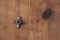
[
  {"x": 9, "y": 13},
  {"x": 43, "y": 27}
]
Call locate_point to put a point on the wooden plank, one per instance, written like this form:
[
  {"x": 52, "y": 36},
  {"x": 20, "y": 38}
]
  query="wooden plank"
[
  {"x": 35, "y": 20},
  {"x": 9, "y": 13},
  {"x": 41, "y": 29},
  {"x": 53, "y": 24},
  {"x": 23, "y": 32}
]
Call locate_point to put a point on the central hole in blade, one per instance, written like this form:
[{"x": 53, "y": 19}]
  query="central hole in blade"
[{"x": 18, "y": 21}]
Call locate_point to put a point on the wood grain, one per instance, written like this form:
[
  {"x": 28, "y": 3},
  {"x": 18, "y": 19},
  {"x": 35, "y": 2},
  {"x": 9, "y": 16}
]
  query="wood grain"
[
  {"x": 35, "y": 27},
  {"x": 41, "y": 29},
  {"x": 9, "y": 13}
]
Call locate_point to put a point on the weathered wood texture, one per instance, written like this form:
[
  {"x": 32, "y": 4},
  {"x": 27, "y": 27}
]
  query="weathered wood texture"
[
  {"x": 41, "y": 29},
  {"x": 35, "y": 26},
  {"x": 9, "y": 13}
]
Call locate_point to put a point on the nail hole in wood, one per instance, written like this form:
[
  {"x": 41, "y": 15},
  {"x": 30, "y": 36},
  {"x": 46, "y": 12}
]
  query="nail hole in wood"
[{"x": 37, "y": 21}]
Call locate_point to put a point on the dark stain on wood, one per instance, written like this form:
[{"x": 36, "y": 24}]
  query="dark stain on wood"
[
  {"x": 37, "y": 20},
  {"x": 47, "y": 14}
]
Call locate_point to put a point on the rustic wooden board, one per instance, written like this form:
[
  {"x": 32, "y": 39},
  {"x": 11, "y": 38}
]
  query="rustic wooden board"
[
  {"x": 35, "y": 26},
  {"x": 9, "y": 13},
  {"x": 44, "y": 29}
]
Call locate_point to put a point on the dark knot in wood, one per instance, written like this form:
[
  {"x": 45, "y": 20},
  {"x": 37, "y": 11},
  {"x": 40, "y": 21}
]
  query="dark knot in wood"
[{"x": 47, "y": 14}]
